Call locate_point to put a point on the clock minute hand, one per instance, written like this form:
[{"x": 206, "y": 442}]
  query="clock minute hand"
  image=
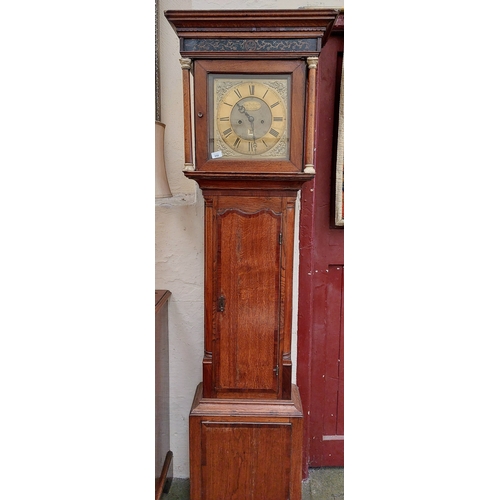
[
  {"x": 251, "y": 119},
  {"x": 253, "y": 132}
]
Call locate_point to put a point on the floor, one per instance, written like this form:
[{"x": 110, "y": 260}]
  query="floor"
[{"x": 326, "y": 483}]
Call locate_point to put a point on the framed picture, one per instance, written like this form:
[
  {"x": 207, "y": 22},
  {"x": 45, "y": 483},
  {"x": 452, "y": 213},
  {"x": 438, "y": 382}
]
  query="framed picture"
[{"x": 339, "y": 171}]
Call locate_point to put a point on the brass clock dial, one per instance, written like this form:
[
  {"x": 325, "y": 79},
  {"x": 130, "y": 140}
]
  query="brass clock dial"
[{"x": 251, "y": 117}]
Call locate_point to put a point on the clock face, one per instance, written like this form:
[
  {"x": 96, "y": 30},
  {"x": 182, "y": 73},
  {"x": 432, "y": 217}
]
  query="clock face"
[{"x": 250, "y": 117}]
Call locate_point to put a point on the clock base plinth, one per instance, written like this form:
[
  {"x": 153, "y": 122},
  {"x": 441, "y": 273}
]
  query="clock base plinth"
[{"x": 245, "y": 449}]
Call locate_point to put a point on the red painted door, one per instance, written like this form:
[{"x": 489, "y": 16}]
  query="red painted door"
[{"x": 320, "y": 366}]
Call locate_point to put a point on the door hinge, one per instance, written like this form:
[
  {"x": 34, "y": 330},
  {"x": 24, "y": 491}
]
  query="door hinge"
[
  {"x": 281, "y": 238},
  {"x": 276, "y": 370},
  {"x": 221, "y": 303}
]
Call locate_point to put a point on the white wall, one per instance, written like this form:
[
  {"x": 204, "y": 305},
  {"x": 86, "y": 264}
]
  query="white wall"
[{"x": 179, "y": 229}]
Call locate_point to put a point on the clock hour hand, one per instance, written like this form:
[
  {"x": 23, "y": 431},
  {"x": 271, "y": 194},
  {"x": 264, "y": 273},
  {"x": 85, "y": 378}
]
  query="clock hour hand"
[
  {"x": 242, "y": 109},
  {"x": 251, "y": 119}
]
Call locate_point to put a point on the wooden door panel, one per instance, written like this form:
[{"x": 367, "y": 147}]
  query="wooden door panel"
[
  {"x": 326, "y": 441},
  {"x": 333, "y": 336},
  {"x": 340, "y": 410},
  {"x": 248, "y": 269},
  {"x": 246, "y": 461}
]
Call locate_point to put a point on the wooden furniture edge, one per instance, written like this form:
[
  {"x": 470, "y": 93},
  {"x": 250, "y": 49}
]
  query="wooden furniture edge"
[
  {"x": 160, "y": 301},
  {"x": 286, "y": 408}
]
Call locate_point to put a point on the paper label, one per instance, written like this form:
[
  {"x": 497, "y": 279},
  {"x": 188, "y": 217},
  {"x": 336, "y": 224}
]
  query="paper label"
[{"x": 216, "y": 154}]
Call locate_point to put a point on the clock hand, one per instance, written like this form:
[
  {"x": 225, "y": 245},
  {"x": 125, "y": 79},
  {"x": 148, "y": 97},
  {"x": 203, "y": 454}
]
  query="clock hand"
[
  {"x": 254, "y": 146},
  {"x": 251, "y": 119},
  {"x": 242, "y": 109}
]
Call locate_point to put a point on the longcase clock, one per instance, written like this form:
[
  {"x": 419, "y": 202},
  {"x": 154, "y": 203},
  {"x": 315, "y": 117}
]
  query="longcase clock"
[{"x": 254, "y": 88}]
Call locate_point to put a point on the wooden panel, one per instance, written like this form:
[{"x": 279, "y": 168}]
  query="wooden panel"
[
  {"x": 247, "y": 336},
  {"x": 250, "y": 204},
  {"x": 333, "y": 334},
  {"x": 246, "y": 461},
  {"x": 326, "y": 431},
  {"x": 286, "y": 295},
  {"x": 210, "y": 291},
  {"x": 273, "y": 452},
  {"x": 162, "y": 409},
  {"x": 340, "y": 408}
]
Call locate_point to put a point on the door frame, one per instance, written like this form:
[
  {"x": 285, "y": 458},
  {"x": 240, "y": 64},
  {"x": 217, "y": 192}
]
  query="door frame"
[{"x": 321, "y": 244}]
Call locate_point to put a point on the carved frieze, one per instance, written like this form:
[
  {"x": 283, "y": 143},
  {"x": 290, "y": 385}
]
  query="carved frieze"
[{"x": 249, "y": 45}]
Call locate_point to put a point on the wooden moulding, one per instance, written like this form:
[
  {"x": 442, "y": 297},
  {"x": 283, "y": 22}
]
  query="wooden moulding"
[
  {"x": 245, "y": 181},
  {"x": 232, "y": 34},
  {"x": 286, "y": 408}
]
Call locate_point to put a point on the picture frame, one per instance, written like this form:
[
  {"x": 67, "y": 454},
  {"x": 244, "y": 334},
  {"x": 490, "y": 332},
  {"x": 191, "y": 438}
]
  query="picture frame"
[{"x": 339, "y": 170}]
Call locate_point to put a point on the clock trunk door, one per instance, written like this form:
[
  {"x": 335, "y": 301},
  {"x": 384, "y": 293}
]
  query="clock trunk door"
[{"x": 248, "y": 296}]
